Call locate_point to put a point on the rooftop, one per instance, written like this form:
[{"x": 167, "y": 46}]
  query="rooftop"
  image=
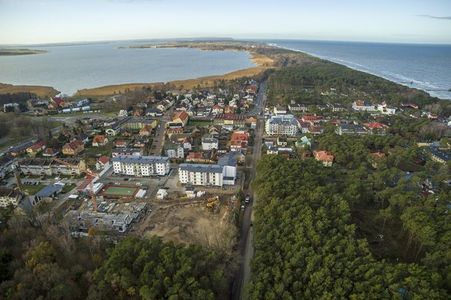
[
  {"x": 204, "y": 168},
  {"x": 134, "y": 159}
]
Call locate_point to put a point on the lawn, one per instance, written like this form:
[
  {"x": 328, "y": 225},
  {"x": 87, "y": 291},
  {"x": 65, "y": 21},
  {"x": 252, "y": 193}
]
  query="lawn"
[
  {"x": 120, "y": 191},
  {"x": 33, "y": 189}
]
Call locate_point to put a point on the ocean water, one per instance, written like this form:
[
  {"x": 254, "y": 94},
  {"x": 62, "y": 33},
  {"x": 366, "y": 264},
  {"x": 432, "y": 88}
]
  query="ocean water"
[
  {"x": 71, "y": 67},
  {"x": 426, "y": 67}
]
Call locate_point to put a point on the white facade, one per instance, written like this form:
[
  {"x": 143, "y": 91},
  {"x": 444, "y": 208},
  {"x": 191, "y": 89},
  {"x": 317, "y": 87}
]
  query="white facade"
[
  {"x": 223, "y": 173},
  {"x": 177, "y": 152},
  {"x": 210, "y": 143},
  {"x": 283, "y": 124},
  {"x": 141, "y": 165},
  {"x": 200, "y": 174}
]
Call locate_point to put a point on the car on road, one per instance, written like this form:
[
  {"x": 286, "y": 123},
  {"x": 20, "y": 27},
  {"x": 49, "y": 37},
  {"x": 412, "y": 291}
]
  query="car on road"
[
  {"x": 243, "y": 206},
  {"x": 247, "y": 199}
]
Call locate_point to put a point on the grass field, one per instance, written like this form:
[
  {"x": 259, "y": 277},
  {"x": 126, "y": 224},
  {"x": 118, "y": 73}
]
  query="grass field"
[
  {"x": 121, "y": 191},
  {"x": 33, "y": 189}
]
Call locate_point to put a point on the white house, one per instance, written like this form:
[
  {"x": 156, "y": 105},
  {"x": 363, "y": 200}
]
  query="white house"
[
  {"x": 209, "y": 143},
  {"x": 175, "y": 151},
  {"x": 280, "y": 110},
  {"x": 361, "y": 105}
]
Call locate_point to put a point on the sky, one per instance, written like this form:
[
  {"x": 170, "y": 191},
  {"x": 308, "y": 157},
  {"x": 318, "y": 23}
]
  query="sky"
[{"x": 55, "y": 21}]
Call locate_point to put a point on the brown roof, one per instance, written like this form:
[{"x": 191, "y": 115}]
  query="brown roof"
[{"x": 323, "y": 156}]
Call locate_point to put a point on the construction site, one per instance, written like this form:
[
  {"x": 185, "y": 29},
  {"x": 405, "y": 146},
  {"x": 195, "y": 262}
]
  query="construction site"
[{"x": 206, "y": 220}]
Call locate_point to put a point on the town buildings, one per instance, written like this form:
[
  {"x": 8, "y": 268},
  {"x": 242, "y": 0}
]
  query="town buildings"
[
  {"x": 9, "y": 197},
  {"x": 325, "y": 157},
  {"x": 141, "y": 165},
  {"x": 50, "y": 167},
  {"x": 220, "y": 174},
  {"x": 283, "y": 124},
  {"x": 73, "y": 148}
]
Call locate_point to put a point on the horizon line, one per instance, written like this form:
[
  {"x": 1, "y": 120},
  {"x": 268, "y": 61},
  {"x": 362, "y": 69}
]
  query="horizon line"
[{"x": 208, "y": 38}]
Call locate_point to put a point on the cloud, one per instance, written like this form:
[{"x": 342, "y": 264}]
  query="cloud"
[{"x": 435, "y": 17}]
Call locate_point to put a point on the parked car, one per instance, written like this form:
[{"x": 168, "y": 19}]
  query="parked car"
[{"x": 247, "y": 199}]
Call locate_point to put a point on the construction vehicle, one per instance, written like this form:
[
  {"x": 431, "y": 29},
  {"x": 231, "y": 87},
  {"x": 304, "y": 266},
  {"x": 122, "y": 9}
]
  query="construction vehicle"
[
  {"x": 89, "y": 173},
  {"x": 213, "y": 203}
]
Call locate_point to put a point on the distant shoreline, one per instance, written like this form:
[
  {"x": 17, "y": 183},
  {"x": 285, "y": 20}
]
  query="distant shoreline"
[
  {"x": 260, "y": 55},
  {"x": 12, "y": 52}
]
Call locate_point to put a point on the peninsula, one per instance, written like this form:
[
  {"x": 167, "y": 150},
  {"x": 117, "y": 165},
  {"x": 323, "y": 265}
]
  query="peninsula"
[{"x": 11, "y": 51}]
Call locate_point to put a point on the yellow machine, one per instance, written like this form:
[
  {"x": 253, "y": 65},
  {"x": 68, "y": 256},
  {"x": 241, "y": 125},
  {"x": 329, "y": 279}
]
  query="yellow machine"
[{"x": 213, "y": 203}]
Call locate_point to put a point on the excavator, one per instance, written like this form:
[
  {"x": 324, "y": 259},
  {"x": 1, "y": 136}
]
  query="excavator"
[
  {"x": 88, "y": 172},
  {"x": 213, "y": 203}
]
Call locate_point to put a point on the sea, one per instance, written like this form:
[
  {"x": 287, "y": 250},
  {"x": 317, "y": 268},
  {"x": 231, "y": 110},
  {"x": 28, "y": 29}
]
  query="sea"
[
  {"x": 422, "y": 66},
  {"x": 70, "y": 67}
]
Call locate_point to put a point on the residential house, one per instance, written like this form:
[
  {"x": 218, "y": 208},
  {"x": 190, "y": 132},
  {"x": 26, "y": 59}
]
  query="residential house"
[
  {"x": 230, "y": 119},
  {"x": 252, "y": 122},
  {"x": 296, "y": 108},
  {"x": 187, "y": 144},
  {"x": 350, "y": 128},
  {"x": 50, "y": 152},
  {"x": 99, "y": 140},
  {"x": 145, "y": 131},
  {"x": 311, "y": 119},
  {"x": 102, "y": 163},
  {"x": 217, "y": 109},
  {"x": 73, "y": 148},
  {"x": 175, "y": 151},
  {"x": 179, "y": 119},
  {"x": 239, "y": 140},
  {"x": 280, "y": 110},
  {"x": 376, "y": 128},
  {"x": 229, "y": 110},
  {"x": 304, "y": 142},
  {"x": 209, "y": 143},
  {"x": 36, "y": 148},
  {"x": 281, "y": 141},
  {"x": 325, "y": 157},
  {"x": 153, "y": 112},
  {"x": 361, "y": 105},
  {"x": 120, "y": 144}
]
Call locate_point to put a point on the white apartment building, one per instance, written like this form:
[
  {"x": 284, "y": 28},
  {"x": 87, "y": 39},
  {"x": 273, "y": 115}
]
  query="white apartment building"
[
  {"x": 141, "y": 165},
  {"x": 282, "y": 125},
  {"x": 223, "y": 173}
]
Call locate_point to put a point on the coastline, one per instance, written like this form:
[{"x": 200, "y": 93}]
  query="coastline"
[
  {"x": 356, "y": 68},
  {"x": 263, "y": 55},
  {"x": 13, "y": 52},
  {"x": 262, "y": 63},
  {"x": 41, "y": 91}
]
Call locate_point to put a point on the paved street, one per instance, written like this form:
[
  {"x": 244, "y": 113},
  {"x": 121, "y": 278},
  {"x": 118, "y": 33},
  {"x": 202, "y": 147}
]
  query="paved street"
[
  {"x": 158, "y": 141},
  {"x": 245, "y": 244}
]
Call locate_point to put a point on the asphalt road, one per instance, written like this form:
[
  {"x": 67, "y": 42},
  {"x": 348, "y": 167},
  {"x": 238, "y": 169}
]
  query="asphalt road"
[
  {"x": 245, "y": 244},
  {"x": 158, "y": 141}
]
